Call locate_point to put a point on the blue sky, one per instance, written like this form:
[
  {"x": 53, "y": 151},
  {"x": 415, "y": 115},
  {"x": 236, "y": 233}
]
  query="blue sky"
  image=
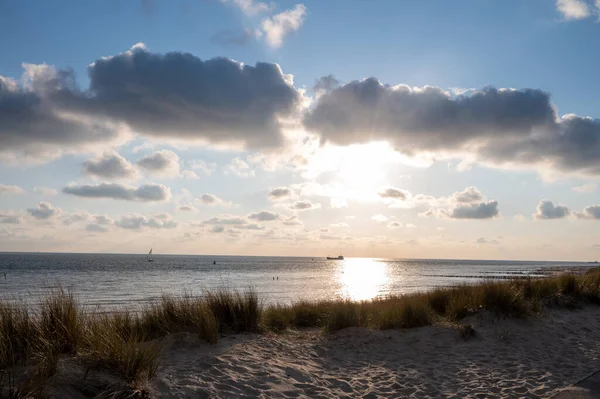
[{"x": 107, "y": 144}]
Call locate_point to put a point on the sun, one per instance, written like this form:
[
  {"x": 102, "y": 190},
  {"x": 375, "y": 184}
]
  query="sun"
[{"x": 363, "y": 169}]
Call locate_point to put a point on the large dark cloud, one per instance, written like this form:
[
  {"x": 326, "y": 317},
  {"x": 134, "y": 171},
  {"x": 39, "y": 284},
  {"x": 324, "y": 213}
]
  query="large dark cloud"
[
  {"x": 178, "y": 95},
  {"x": 145, "y": 193},
  {"x": 172, "y": 96},
  {"x": 499, "y": 126},
  {"x": 547, "y": 210},
  {"x": 31, "y": 121}
]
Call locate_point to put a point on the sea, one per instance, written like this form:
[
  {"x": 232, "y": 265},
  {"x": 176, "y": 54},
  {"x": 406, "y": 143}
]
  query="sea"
[{"x": 124, "y": 281}]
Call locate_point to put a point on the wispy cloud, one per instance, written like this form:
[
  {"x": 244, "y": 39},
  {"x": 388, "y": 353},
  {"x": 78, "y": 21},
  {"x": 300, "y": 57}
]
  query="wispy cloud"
[{"x": 277, "y": 27}]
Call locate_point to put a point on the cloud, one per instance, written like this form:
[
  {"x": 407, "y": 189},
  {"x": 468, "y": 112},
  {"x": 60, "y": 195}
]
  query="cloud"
[
  {"x": 280, "y": 193},
  {"x": 229, "y": 37},
  {"x": 239, "y": 167},
  {"x": 379, "y": 218},
  {"x": 49, "y": 192},
  {"x": 10, "y": 218},
  {"x": 189, "y": 174},
  {"x": 394, "y": 225},
  {"x": 394, "y": 193},
  {"x": 217, "y": 229},
  {"x": 145, "y": 193},
  {"x": 186, "y": 208},
  {"x": 213, "y": 200},
  {"x": 136, "y": 222},
  {"x": 589, "y": 212},
  {"x": 304, "y": 205},
  {"x": 263, "y": 216},
  {"x": 203, "y": 166},
  {"x": 4, "y": 189},
  {"x": 250, "y": 226},
  {"x": 500, "y": 127},
  {"x": 573, "y": 9},
  {"x": 96, "y": 228},
  {"x": 100, "y": 224},
  {"x": 585, "y": 188},
  {"x": 174, "y": 96},
  {"x": 547, "y": 210},
  {"x": 280, "y": 25},
  {"x": 44, "y": 211},
  {"x": 179, "y": 96},
  {"x": 161, "y": 163},
  {"x": 292, "y": 221},
  {"x": 249, "y": 7},
  {"x": 73, "y": 218},
  {"x": 109, "y": 165},
  {"x": 483, "y": 210},
  {"x": 337, "y": 203},
  {"x": 482, "y": 240},
  {"x": 340, "y": 225},
  {"x": 325, "y": 84},
  {"x": 226, "y": 219},
  {"x": 467, "y": 196}
]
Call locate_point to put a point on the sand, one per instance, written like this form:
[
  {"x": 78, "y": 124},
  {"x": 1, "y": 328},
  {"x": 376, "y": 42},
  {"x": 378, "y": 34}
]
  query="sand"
[{"x": 507, "y": 359}]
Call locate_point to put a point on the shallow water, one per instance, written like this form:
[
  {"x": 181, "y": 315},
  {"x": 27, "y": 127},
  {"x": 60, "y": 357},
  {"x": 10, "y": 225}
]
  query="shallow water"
[{"x": 114, "y": 280}]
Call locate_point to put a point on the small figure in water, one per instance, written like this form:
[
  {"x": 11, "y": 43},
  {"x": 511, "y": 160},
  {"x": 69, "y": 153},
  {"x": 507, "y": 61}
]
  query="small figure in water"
[
  {"x": 214, "y": 262},
  {"x": 273, "y": 278},
  {"x": 277, "y": 277}
]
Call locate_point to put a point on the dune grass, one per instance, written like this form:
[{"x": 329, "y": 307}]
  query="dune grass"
[{"x": 126, "y": 343}]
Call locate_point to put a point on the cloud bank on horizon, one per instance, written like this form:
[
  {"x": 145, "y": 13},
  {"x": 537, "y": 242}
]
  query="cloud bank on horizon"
[{"x": 171, "y": 146}]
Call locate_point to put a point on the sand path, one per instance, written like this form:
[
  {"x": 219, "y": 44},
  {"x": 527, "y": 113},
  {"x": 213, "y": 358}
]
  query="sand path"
[{"x": 507, "y": 359}]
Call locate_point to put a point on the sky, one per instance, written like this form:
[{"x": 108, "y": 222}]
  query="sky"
[{"x": 368, "y": 128}]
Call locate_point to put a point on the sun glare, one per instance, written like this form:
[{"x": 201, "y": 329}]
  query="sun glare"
[{"x": 362, "y": 279}]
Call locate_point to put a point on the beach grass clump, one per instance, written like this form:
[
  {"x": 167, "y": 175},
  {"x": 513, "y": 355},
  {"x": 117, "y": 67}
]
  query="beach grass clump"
[
  {"x": 344, "y": 314},
  {"x": 234, "y": 311},
  {"x": 129, "y": 355},
  {"x": 439, "y": 300},
  {"x": 502, "y": 299},
  {"x": 278, "y": 318},
  {"x": 400, "y": 312},
  {"x": 310, "y": 314},
  {"x": 17, "y": 332},
  {"x": 569, "y": 285},
  {"x": 61, "y": 321},
  {"x": 178, "y": 314},
  {"x": 463, "y": 302}
]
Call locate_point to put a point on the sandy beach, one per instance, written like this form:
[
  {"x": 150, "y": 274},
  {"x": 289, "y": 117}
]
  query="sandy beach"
[{"x": 506, "y": 359}]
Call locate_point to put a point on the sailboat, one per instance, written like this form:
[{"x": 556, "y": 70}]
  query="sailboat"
[{"x": 150, "y": 256}]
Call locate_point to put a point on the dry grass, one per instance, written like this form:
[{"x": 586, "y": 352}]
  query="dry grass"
[{"x": 31, "y": 343}]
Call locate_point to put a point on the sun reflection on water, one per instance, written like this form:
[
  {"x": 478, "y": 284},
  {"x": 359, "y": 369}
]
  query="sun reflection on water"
[{"x": 362, "y": 279}]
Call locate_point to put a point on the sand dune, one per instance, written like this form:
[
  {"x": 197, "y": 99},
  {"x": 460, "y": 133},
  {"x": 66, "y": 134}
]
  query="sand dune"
[{"x": 507, "y": 359}]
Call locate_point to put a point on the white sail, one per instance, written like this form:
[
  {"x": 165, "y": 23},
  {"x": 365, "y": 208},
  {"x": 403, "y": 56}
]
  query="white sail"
[{"x": 150, "y": 256}]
